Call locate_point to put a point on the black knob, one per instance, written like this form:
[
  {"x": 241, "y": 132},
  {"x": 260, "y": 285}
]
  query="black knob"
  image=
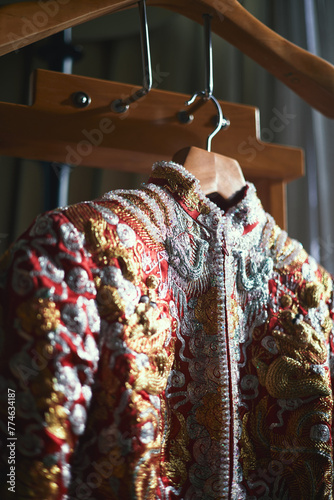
[
  {"x": 184, "y": 117},
  {"x": 81, "y": 99}
]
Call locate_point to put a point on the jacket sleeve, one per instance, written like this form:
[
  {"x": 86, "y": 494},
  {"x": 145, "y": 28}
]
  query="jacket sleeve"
[{"x": 49, "y": 355}]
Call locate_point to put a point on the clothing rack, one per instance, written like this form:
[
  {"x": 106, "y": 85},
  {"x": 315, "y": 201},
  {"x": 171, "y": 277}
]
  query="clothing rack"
[
  {"x": 56, "y": 128},
  {"x": 309, "y": 76},
  {"x": 95, "y": 136}
]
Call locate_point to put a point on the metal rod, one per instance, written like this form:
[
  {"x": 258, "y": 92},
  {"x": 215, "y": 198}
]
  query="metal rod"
[
  {"x": 208, "y": 56},
  {"x": 145, "y": 48},
  {"x": 122, "y": 105}
]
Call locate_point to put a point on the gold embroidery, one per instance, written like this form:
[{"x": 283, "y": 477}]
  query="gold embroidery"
[
  {"x": 157, "y": 198},
  {"x": 327, "y": 283},
  {"x": 311, "y": 294},
  {"x": 111, "y": 305},
  {"x": 145, "y": 322},
  {"x": 176, "y": 180},
  {"x": 95, "y": 233},
  {"x": 153, "y": 378},
  {"x": 97, "y": 281},
  {"x": 178, "y": 442},
  {"x": 50, "y": 402},
  {"x": 38, "y": 316},
  {"x": 56, "y": 415},
  {"x": 147, "y": 479},
  {"x": 327, "y": 326},
  {"x": 282, "y": 247},
  {"x": 152, "y": 282},
  {"x": 304, "y": 460},
  {"x": 146, "y": 470},
  {"x": 297, "y": 262},
  {"x": 161, "y": 361},
  {"x": 286, "y": 301},
  {"x": 129, "y": 268},
  {"x": 38, "y": 481},
  {"x": 55, "y": 420},
  {"x": 144, "y": 331},
  {"x": 275, "y": 232},
  {"x": 247, "y": 452},
  {"x": 210, "y": 415},
  {"x": 105, "y": 246},
  {"x": 206, "y": 311},
  {"x": 140, "y": 229},
  {"x": 143, "y": 205},
  {"x": 288, "y": 378},
  {"x": 301, "y": 341},
  {"x": 79, "y": 215},
  {"x": 95, "y": 237},
  {"x": 185, "y": 188},
  {"x": 294, "y": 374}
]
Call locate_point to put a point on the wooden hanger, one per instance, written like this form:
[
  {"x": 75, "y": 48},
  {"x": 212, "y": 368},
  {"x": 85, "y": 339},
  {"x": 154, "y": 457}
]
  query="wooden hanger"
[
  {"x": 309, "y": 76},
  {"x": 217, "y": 173}
]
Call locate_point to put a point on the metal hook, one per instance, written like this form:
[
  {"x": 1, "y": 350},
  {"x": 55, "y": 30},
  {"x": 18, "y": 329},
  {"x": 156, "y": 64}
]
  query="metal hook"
[
  {"x": 122, "y": 105},
  {"x": 207, "y": 95}
]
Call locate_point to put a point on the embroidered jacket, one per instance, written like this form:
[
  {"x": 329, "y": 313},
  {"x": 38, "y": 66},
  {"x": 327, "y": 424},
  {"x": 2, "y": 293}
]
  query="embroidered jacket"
[{"x": 154, "y": 346}]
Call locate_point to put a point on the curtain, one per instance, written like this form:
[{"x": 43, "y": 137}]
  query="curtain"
[
  {"x": 310, "y": 202},
  {"x": 112, "y": 51}
]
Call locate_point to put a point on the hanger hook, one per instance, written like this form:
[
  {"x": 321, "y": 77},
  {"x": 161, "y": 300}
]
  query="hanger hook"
[
  {"x": 122, "y": 105},
  {"x": 206, "y": 94},
  {"x": 208, "y": 55}
]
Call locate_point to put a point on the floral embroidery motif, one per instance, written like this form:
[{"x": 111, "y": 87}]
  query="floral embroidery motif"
[{"x": 38, "y": 315}]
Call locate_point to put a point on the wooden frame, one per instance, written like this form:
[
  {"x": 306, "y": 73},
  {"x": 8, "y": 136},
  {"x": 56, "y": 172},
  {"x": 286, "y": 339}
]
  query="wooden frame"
[{"x": 54, "y": 129}]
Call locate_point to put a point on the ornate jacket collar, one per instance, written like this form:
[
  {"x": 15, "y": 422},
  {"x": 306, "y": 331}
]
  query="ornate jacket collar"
[{"x": 242, "y": 223}]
